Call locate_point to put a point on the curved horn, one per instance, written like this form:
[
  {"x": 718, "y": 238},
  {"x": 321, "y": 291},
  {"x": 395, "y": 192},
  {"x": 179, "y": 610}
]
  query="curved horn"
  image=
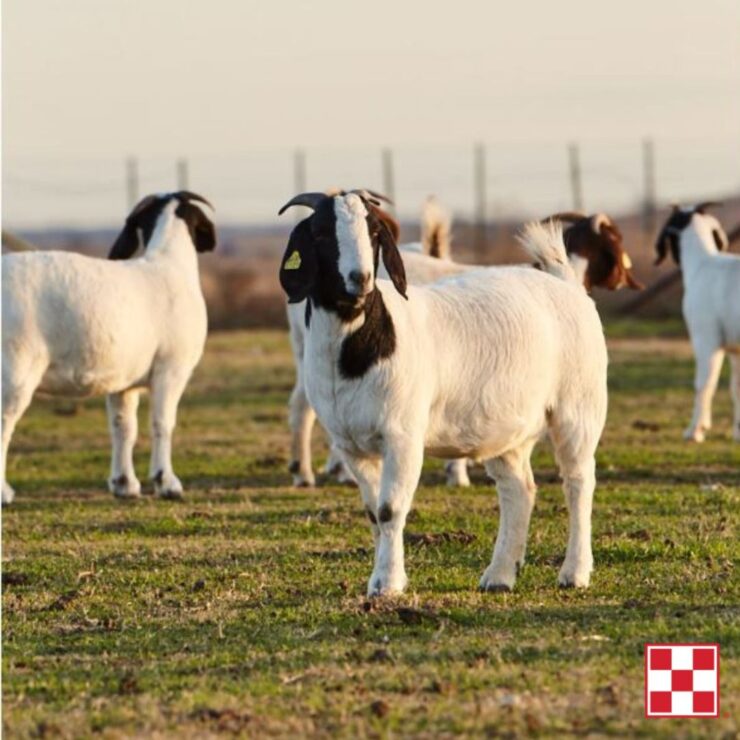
[
  {"x": 598, "y": 220},
  {"x": 701, "y": 207},
  {"x": 372, "y": 195},
  {"x": 567, "y": 216},
  {"x": 310, "y": 200},
  {"x": 189, "y": 195},
  {"x": 143, "y": 203}
]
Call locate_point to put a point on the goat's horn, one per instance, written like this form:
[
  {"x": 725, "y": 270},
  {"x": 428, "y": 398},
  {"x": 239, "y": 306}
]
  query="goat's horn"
[
  {"x": 310, "y": 200},
  {"x": 143, "y": 203},
  {"x": 701, "y": 207},
  {"x": 372, "y": 195},
  {"x": 189, "y": 195},
  {"x": 568, "y": 216},
  {"x": 599, "y": 220}
]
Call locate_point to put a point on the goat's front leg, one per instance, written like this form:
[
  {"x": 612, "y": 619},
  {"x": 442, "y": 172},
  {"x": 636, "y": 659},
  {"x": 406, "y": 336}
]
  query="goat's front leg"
[
  {"x": 123, "y": 425},
  {"x": 366, "y": 472},
  {"x": 401, "y": 471},
  {"x": 708, "y": 367},
  {"x": 735, "y": 390},
  {"x": 167, "y": 389}
]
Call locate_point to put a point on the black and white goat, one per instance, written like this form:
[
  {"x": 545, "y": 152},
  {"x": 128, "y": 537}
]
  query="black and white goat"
[
  {"x": 79, "y": 326},
  {"x": 480, "y": 364},
  {"x": 595, "y": 252},
  {"x": 711, "y": 305}
]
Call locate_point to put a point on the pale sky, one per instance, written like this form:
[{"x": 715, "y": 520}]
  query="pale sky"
[{"x": 236, "y": 86}]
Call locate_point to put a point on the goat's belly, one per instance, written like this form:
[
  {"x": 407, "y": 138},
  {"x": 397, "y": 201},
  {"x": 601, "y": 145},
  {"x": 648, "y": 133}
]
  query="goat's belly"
[{"x": 85, "y": 381}]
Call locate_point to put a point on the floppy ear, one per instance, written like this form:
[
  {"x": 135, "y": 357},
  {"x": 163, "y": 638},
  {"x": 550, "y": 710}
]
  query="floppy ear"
[
  {"x": 720, "y": 240},
  {"x": 299, "y": 265},
  {"x": 392, "y": 258},
  {"x": 393, "y": 225},
  {"x": 127, "y": 243},
  {"x": 201, "y": 228},
  {"x": 666, "y": 240}
]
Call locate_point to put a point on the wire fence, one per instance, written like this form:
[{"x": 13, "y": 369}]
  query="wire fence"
[{"x": 479, "y": 181}]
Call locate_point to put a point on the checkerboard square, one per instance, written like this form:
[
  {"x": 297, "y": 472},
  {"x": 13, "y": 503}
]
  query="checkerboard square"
[
  {"x": 682, "y": 703},
  {"x": 703, "y": 702},
  {"x": 660, "y": 659},
  {"x": 660, "y": 702},
  {"x": 682, "y": 680},
  {"x": 703, "y": 659}
]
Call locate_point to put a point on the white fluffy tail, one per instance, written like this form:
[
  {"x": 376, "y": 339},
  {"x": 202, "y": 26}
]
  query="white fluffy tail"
[
  {"x": 543, "y": 242},
  {"x": 436, "y": 227}
]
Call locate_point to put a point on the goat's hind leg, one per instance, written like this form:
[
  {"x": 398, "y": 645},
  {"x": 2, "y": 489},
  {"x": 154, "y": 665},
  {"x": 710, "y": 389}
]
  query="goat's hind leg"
[
  {"x": 516, "y": 494},
  {"x": 123, "y": 425},
  {"x": 735, "y": 390},
  {"x": 302, "y": 418},
  {"x": 19, "y": 384},
  {"x": 708, "y": 367}
]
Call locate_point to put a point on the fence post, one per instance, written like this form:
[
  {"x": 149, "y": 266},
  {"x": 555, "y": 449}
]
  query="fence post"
[
  {"x": 389, "y": 180},
  {"x": 479, "y": 184},
  {"x": 576, "y": 189},
  {"x": 649, "y": 203},
  {"x": 132, "y": 182},
  {"x": 183, "y": 174}
]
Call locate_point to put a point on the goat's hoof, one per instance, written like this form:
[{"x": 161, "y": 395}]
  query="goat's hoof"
[
  {"x": 694, "y": 435},
  {"x": 495, "y": 588},
  {"x": 8, "y": 493},
  {"x": 167, "y": 486},
  {"x": 302, "y": 481},
  {"x": 574, "y": 579},
  {"x": 456, "y": 474},
  {"x": 386, "y": 586},
  {"x": 124, "y": 487}
]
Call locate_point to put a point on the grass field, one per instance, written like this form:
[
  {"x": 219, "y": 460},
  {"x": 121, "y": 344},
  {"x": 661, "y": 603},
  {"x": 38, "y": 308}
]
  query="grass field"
[{"x": 241, "y": 610}]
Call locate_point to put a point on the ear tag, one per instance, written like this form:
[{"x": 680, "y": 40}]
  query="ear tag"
[
  {"x": 293, "y": 262},
  {"x": 626, "y": 261}
]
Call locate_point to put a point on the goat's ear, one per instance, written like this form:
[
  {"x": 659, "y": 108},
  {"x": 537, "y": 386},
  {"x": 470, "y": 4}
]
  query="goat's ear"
[
  {"x": 127, "y": 243},
  {"x": 720, "y": 240},
  {"x": 666, "y": 241},
  {"x": 299, "y": 265},
  {"x": 201, "y": 228},
  {"x": 392, "y": 258},
  {"x": 393, "y": 226}
]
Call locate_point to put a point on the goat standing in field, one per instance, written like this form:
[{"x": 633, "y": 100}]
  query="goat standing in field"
[
  {"x": 595, "y": 252},
  {"x": 480, "y": 364},
  {"x": 711, "y": 306},
  {"x": 79, "y": 326}
]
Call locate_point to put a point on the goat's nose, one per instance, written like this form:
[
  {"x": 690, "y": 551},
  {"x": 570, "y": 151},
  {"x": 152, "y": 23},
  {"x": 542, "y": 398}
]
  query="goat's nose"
[{"x": 359, "y": 278}]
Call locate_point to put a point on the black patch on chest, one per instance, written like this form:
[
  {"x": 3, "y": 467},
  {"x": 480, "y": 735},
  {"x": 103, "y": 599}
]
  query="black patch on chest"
[{"x": 373, "y": 341}]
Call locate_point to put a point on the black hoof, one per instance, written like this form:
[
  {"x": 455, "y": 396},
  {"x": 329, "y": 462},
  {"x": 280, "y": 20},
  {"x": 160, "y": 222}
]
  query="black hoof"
[{"x": 496, "y": 588}]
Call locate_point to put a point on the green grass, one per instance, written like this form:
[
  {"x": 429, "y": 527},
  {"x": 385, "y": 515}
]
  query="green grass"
[{"x": 242, "y": 611}]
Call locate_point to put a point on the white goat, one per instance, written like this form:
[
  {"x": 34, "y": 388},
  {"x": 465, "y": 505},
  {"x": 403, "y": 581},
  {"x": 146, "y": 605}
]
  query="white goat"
[
  {"x": 595, "y": 252},
  {"x": 79, "y": 326},
  {"x": 711, "y": 306},
  {"x": 479, "y": 365}
]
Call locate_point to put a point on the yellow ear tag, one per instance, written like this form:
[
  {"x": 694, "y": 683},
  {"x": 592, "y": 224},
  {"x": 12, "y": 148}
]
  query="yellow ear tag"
[{"x": 293, "y": 262}]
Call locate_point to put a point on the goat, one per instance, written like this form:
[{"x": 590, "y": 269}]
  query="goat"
[
  {"x": 711, "y": 305},
  {"x": 479, "y": 364},
  {"x": 79, "y": 326},
  {"x": 595, "y": 251}
]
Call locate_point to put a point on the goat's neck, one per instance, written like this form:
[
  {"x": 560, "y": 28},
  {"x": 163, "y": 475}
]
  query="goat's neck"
[
  {"x": 696, "y": 249},
  {"x": 171, "y": 241}
]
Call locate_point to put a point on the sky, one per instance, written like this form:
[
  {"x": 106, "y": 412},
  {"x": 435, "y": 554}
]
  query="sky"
[{"x": 237, "y": 86}]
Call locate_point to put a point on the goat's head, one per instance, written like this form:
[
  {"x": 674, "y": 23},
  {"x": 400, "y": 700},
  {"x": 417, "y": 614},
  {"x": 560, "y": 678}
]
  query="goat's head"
[
  {"x": 707, "y": 226},
  {"x": 597, "y": 239},
  {"x": 153, "y": 210},
  {"x": 333, "y": 254}
]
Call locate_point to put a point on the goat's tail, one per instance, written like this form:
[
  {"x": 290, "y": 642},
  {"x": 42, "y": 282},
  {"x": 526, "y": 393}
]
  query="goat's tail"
[
  {"x": 543, "y": 243},
  {"x": 436, "y": 225}
]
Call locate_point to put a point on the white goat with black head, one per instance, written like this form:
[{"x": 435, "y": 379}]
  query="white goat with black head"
[
  {"x": 79, "y": 326},
  {"x": 711, "y": 305},
  {"x": 480, "y": 364},
  {"x": 595, "y": 252}
]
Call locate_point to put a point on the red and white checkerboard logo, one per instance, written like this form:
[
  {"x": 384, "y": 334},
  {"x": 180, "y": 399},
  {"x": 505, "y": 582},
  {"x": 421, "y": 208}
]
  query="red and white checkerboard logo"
[{"x": 682, "y": 680}]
